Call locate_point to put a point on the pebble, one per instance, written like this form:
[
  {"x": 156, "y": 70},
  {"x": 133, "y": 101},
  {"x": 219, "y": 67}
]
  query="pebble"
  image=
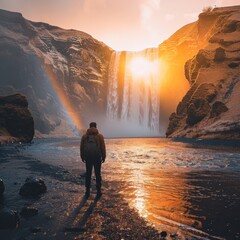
[{"x": 163, "y": 234}]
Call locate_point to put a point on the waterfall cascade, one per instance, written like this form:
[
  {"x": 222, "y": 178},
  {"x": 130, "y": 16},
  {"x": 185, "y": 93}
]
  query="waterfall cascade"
[{"x": 133, "y": 101}]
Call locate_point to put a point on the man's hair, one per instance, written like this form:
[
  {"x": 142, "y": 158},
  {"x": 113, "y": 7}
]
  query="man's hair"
[{"x": 93, "y": 124}]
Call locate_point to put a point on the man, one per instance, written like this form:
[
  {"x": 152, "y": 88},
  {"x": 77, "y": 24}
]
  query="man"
[{"x": 93, "y": 154}]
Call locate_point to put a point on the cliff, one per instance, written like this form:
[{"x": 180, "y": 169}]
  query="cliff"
[
  {"x": 210, "y": 108},
  {"x": 62, "y": 72},
  {"x": 16, "y": 122}
]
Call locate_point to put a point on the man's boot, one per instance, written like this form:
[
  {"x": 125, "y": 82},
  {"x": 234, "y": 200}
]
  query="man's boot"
[{"x": 87, "y": 193}]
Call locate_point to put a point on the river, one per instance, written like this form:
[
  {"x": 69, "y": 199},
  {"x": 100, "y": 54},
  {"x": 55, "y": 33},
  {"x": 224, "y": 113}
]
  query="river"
[{"x": 185, "y": 186}]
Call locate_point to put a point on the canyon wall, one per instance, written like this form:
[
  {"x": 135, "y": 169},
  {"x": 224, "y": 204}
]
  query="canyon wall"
[
  {"x": 210, "y": 109},
  {"x": 63, "y": 73}
]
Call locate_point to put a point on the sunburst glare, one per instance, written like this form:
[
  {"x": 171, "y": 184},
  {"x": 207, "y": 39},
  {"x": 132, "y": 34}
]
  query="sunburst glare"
[{"x": 141, "y": 67}]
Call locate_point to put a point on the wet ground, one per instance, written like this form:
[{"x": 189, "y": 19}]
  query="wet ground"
[{"x": 189, "y": 189}]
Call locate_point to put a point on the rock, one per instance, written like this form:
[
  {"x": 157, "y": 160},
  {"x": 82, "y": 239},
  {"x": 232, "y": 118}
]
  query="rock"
[
  {"x": 202, "y": 58},
  {"x": 16, "y": 120},
  {"x": 163, "y": 234},
  {"x": 220, "y": 55},
  {"x": 218, "y": 108},
  {"x": 8, "y": 219},
  {"x": 15, "y": 99},
  {"x": 231, "y": 26},
  {"x": 33, "y": 187},
  {"x": 173, "y": 235},
  {"x": 233, "y": 65},
  {"x": 197, "y": 110},
  {"x": 29, "y": 211},
  {"x": 192, "y": 66},
  {"x": 35, "y": 229},
  {"x": 173, "y": 123},
  {"x": 2, "y": 187}
]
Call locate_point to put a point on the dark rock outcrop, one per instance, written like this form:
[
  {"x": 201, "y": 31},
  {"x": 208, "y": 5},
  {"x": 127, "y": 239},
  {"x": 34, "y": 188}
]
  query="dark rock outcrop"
[
  {"x": 197, "y": 110},
  {"x": 16, "y": 121},
  {"x": 8, "y": 219},
  {"x": 220, "y": 55},
  {"x": 218, "y": 108},
  {"x": 33, "y": 187},
  {"x": 2, "y": 187},
  {"x": 210, "y": 109}
]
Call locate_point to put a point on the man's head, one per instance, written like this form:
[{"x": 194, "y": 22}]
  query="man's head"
[{"x": 93, "y": 124}]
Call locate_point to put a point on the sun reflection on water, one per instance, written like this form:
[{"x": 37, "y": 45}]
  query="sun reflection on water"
[{"x": 139, "y": 202}]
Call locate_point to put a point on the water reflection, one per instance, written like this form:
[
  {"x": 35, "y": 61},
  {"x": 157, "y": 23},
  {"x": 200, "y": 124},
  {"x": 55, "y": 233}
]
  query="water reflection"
[
  {"x": 161, "y": 197},
  {"x": 181, "y": 189},
  {"x": 140, "y": 202}
]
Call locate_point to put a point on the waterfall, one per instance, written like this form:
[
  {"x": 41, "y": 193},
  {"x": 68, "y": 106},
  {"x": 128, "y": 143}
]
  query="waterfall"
[{"x": 133, "y": 101}]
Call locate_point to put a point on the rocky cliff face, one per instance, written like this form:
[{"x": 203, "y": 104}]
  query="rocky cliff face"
[
  {"x": 174, "y": 52},
  {"x": 60, "y": 71},
  {"x": 210, "y": 109},
  {"x": 16, "y": 121}
]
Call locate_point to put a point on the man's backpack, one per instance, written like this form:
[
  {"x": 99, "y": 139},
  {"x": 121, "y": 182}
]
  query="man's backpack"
[{"x": 91, "y": 147}]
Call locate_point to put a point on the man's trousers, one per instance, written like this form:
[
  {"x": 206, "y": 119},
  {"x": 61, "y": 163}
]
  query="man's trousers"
[{"x": 96, "y": 163}]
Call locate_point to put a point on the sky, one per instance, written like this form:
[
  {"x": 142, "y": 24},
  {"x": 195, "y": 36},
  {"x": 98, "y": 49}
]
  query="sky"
[{"x": 121, "y": 24}]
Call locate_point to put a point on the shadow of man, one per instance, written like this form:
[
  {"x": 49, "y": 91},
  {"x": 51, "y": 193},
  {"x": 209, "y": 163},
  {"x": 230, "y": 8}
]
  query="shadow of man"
[{"x": 80, "y": 217}]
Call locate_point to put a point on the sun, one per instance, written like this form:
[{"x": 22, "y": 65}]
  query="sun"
[
  {"x": 139, "y": 67},
  {"x": 142, "y": 68}
]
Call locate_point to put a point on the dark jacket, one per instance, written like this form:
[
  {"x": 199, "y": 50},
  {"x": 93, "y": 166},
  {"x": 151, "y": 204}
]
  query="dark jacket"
[{"x": 100, "y": 141}]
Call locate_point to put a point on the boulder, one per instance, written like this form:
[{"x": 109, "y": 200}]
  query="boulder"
[
  {"x": 8, "y": 219},
  {"x": 29, "y": 211},
  {"x": 16, "y": 120},
  {"x": 2, "y": 187},
  {"x": 33, "y": 187},
  {"x": 15, "y": 99}
]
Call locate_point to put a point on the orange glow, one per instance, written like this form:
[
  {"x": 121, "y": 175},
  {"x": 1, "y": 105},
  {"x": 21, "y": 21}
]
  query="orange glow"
[
  {"x": 64, "y": 98},
  {"x": 141, "y": 67}
]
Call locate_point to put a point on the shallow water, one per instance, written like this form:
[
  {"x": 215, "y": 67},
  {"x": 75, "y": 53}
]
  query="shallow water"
[{"x": 191, "y": 187}]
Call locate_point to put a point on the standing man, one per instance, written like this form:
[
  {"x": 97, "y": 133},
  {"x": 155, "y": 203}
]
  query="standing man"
[{"x": 93, "y": 154}]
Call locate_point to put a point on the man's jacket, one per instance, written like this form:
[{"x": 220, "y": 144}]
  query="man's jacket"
[{"x": 100, "y": 141}]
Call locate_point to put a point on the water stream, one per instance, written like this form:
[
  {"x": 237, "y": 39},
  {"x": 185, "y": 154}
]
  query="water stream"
[{"x": 179, "y": 187}]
